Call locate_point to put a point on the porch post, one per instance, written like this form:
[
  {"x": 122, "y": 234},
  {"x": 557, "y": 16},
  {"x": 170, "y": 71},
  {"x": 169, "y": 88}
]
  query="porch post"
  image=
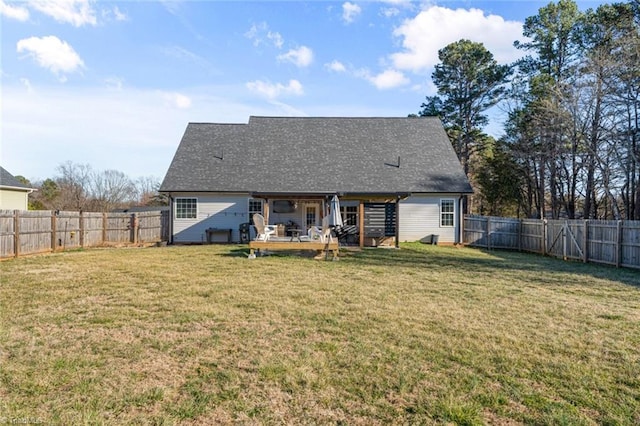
[
  {"x": 361, "y": 222},
  {"x": 266, "y": 211},
  {"x": 397, "y": 221}
]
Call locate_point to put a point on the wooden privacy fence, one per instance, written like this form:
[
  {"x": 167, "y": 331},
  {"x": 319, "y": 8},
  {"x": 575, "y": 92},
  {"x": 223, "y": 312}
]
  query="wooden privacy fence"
[
  {"x": 34, "y": 231},
  {"x": 609, "y": 242}
]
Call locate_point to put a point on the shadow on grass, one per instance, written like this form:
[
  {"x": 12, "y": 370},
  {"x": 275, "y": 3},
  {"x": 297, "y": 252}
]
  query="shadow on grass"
[
  {"x": 243, "y": 251},
  {"x": 472, "y": 260},
  {"x": 466, "y": 259}
]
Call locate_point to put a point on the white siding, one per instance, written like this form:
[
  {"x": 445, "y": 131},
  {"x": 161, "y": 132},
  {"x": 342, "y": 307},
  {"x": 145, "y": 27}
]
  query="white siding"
[
  {"x": 14, "y": 200},
  {"x": 420, "y": 218},
  {"x": 214, "y": 211}
]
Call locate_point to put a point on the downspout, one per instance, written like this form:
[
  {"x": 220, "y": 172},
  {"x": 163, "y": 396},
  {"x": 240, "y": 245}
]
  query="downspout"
[
  {"x": 171, "y": 219},
  {"x": 460, "y": 220}
]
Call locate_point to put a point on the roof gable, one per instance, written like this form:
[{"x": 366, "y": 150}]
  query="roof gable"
[
  {"x": 7, "y": 180},
  {"x": 317, "y": 155}
]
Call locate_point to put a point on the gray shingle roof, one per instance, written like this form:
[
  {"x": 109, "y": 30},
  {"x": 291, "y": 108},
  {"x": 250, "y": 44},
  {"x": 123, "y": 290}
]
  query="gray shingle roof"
[
  {"x": 317, "y": 155},
  {"x": 8, "y": 180}
]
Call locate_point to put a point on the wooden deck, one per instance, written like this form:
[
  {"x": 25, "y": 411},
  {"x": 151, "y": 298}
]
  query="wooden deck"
[{"x": 287, "y": 244}]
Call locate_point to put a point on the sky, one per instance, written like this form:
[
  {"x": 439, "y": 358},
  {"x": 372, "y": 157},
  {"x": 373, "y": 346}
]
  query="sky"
[{"x": 114, "y": 84}]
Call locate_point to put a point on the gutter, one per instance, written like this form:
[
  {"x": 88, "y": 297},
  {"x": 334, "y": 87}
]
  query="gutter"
[{"x": 18, "y": 188}]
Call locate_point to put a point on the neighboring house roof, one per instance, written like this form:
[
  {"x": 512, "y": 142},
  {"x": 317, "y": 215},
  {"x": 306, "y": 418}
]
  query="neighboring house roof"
[
  {"x": 141, "y": 209},
  {"x": 8, "y": 181},
  {"x": 317, "y": 155}
]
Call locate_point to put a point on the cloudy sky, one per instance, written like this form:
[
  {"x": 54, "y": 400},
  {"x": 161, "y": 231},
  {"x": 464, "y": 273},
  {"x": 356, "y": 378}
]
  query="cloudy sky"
[{"x": 114, "y": 84}]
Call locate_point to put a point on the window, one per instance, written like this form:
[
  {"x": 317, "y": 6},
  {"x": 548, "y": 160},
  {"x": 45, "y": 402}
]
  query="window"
[
  {"x": 349, "y": 215},
  {"x": 255, "y": 206},
  {"x": 447, "y": 212},
  {"x": 186, "y": 208}
]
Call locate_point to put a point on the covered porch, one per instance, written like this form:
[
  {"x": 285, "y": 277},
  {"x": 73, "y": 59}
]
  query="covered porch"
[{"x": 369, "y": 220}]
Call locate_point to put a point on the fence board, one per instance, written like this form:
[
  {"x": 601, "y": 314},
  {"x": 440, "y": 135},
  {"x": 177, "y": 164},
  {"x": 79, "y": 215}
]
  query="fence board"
[
  {"x": 33, "y": 231},
  {"x": 118, "y": 229},
  {"x": 7, "y": 233},
  {"x": 630, "y": 245},
  {"x": 67, "y": 234},
  {"x": 150, "y": 226},
  {"x": 608, "y": 242},
  {"x": 93, "y": 224}
]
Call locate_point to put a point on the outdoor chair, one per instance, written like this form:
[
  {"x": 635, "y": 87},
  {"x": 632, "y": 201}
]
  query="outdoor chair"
[
  {"x": 263, "y": 231},
  {"x": 323, "y": 234}
]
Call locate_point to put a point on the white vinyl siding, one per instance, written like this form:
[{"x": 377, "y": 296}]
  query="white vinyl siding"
[
  {"x": 420, "y": 218},
  {"x": 14, "y": 200},
  {"x": 225, "y": 211}
]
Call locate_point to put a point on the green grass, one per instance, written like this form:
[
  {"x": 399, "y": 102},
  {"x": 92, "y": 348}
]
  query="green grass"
[{"x": 421, "y": 335}]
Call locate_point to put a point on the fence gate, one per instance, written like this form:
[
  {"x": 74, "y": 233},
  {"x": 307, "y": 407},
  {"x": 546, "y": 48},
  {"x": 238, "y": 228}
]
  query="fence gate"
[{"x": 565, "y": 240}]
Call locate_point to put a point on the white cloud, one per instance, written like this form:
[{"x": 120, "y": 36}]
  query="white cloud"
[
  {"x": 388, "y": 79},
  {"x": 114, "y": 14},
  {"x": 259, "y": 32},
  {"x": 276, "y": 38},
  {"x": 301, "y": 57},
  {"x": 177, "y": 100},
  {"x": 75, "y": 12},
  {"x": 273, "y": 91},
  {"x": 255, "y": 32},
  {"x": 336, "y": 66},
  {"x": 350, "y": 11},
  {"x": 436, "y": 27},
  {"x": 172, "y": 6},
  {"x": 390, "y": 12},
  {"x": 120, "y": 16},
  {"x": 27, "y": 84},
  {"x": 114, "y": 83},
  {"x": 183, "y": 54},
  {"x": 18, "y": 13},
  {"x": 52, "y": 53}
]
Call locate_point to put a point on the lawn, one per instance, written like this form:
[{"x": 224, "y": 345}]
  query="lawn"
[{"x": 420, "y": 335}]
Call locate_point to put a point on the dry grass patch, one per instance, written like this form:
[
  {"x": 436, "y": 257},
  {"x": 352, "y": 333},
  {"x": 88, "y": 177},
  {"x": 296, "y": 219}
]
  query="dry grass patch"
[{"x": 201, "y": 335}]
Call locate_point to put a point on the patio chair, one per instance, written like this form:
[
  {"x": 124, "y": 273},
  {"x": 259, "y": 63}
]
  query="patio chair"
[
  {"x": 323, "y": 234},
  {"x": 326, "y": 231},
  {"x": 263, "y": 231}
]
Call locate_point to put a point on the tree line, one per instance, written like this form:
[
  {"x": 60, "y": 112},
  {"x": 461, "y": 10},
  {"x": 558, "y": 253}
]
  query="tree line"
[
  {"x": 570, "y": 144},
  {"x": 78, "y": 187}
]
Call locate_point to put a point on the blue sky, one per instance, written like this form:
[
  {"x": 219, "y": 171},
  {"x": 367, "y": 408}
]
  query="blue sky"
[{"x": 114, "y": 84}]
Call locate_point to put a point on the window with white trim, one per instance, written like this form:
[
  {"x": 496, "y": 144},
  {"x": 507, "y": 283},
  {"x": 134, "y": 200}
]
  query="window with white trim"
[
  {"x": 186, "y": 208},
  {"x": 349, "y": 215},
  {"x": 255, "y": 206},
  {"x": 447, "y": 212}
]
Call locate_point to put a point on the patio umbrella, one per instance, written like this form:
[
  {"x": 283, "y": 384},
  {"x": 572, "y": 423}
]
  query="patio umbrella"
[{"x": 335, "y": 218}]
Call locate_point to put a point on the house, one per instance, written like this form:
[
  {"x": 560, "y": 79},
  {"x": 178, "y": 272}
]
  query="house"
[
  {"x": 14, "y": 195},
  {"x": 398, "y": 179}
]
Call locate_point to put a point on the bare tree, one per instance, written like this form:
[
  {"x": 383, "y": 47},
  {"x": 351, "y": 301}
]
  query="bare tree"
[
  {"x": 111, "y": 189},
  {"x": 73, "y": 185},
  {"x": 147, "y": 191}
]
